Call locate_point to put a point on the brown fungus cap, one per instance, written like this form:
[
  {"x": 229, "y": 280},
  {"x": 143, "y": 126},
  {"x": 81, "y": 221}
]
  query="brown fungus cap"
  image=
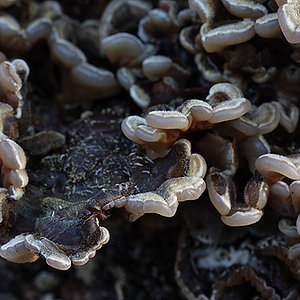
[
  {"x": 294, "y": 252},
  {"x": 221, "y": 190},
  {"x": 222, "y": 193},
  {"x": 275, "y": 167},
  {"x": 184, "y": 181},
  {"x": 298, "y": 224},
  {"x": 100, "y": 82},
  {"x": 259, "y": 120},
  {"x": 295, "y": 194},
  {"x": 288, "y": 228},
  {"x": 12, "y": 155},
  {"x": 110, "y": 18},
  {"x": 251, "y": 148},
  {"x": 199, "y": 110},
  {"x": 28, "y": 248},
  {"x": 149, "y": 134},
  {"x": 130, "y": 125},
  {"x": 227, "y": 102},
  {"x": 126, "y": 77},
  {"x": 206, "y": 9},
  {"x": 9, "y": 78},
  {"x": 122, "y": 47},
  {"x": 157, "y": 142},
  {"x": 167, "y": 120},
  {"x": 18, "y": 39},
  {"x": 280, "y": 200},
  {"x": 64, "y": 52},
  {"x": 289, "y": 114},
  {"x": 54, "y": 257},
  {"x": 82, "y": 82},
  {"x": 14, "y": 176},
  {"x": 82, "y": 257},
  {"x": 268, "y": 26},
  {"x": 139, "y": 96},
  {"x": 216, "y": 39},
  {"x": 6, "y": 114},
  {"x": 155, "y": 23},
  {"x": 156, "y": 66},
  {"x": 16, "y": 251},
  {"x": 289, "y": 20},
  {"x": 208, "y": 70},
  {"x": 187, "y": 39},
  {"x": 224, "y": 102},
  {"x": 222, "y": 92},
  {"x": 22, "y": 69},
  {"x": 245, "y": 8},
  {"x": 50, "y": 9},
  {"x": 38, "y": 30},
  {"x": 243, "y": 218},
  {"x": 218, "y": 152}
]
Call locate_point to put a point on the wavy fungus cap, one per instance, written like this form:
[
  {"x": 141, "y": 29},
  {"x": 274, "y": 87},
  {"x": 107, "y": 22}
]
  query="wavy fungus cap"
[
  {"x": 161, "y": 128},
  {"x": 245, "y": 8},
  {"x": 206, "y": 9},
  {"x": 275, "y": 167},
  {"x": 289, "y": 20},
  {"x": 267, "y": 26},
  {"x": 28, "y": 248},
  {"x": 216, "y": 39},
  {"x": 122, "y": 47},
  {"x": 222, "y": 193}
]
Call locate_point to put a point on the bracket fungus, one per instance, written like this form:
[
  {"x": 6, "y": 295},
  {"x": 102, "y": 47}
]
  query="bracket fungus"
[
  {"x": 187, "y": 100},
  {"x": 121, "y": 47},
  {"x": 222, "y": 193},
  {"x": 222, "y": 158},
  {"x": 12, "y": 76},
  {"x": 14, "y": 177},
  {"x": 289, "y": 20},
  {"x": 81, "y": 80},
  {"x": 205, "y": 9},
  {"x": 132, "y": 11},
  {"x": 245, "y": 9},
  {"x": 259, "y": 120},
  {"x": 67, "y": 229},
  {"x": 284, "y": 198},
  {"x": 275, "y": 167},
  {"x": 215, "y": 39},
  {"x": 268, "y": 26},
  {"x": 161, "y": 128}
]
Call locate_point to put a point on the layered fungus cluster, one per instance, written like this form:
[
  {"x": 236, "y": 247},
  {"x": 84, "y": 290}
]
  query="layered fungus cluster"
[{"x": 142, "y": 105}]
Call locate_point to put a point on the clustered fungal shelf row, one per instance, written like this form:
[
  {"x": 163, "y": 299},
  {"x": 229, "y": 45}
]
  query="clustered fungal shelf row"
[
  {"x": 14, "y": 176},
  {"x": 232, "y": 124}
]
